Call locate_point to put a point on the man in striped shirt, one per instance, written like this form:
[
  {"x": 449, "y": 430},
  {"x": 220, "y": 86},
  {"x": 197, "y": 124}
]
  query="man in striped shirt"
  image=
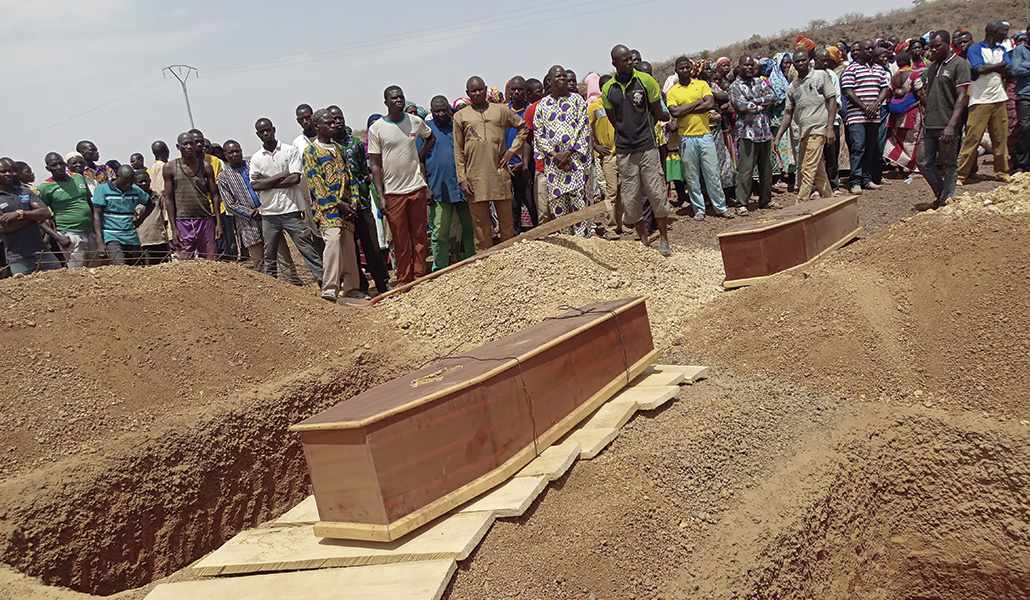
[
  {"x": 114, "y": 216},
  {"x": 865, "y": 85}
]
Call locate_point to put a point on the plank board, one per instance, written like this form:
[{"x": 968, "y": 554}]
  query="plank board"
[
  {"x": 593, "y": 441},
  {"x": 613, "y": 415},
  {"x": 510, "y": 499},
  {"x": 648, "y": 397},
  {"x": 554, "y": 462},
  {"x": 305, "y": 513},
  {"x": 691, "y": 373},
  {"x": 652, "y": 378},
  {"x": 452, "y": 537},
  {"x": 426, "y": 580}
]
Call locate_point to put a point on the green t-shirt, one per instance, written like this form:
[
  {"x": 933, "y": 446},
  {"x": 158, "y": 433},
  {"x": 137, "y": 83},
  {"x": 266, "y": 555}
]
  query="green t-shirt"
[{"x": 69, "y": 201}]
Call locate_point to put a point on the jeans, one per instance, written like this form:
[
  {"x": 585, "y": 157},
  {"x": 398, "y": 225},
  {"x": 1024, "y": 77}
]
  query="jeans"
[
  {"x": 1021, "y": 159},
  {"x": 123, "y": 254},
  {"x": 697, "y": 155},
  {"x": 272, "y": 229},
  {"x": 752, "y": 154},
  {"x": 523, "y": 197},
  {"x": 44, "y": 261},
  {"x": 933, "y": 158},
  {"x": 866, "y": 160},
  {"x": 443, "y": 216}
]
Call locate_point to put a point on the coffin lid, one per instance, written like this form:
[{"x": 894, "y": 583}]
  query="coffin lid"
[{"x": 442, "y": 377}]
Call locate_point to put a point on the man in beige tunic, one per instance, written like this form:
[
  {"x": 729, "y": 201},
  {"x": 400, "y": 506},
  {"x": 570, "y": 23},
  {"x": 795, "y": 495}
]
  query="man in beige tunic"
[{"x": 482, "y": 162}]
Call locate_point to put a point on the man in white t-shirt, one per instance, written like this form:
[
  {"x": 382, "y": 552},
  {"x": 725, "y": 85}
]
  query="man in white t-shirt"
[
  {"x": 275, "y": 174},
  {"x": 399, "y": 175},
  {"x": 990, "y": 63}
]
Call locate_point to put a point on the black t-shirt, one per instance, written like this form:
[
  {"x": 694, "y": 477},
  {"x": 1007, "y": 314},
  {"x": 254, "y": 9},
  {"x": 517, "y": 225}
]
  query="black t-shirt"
[
  {"x": 26, "y": 242},
  {"x": 631, "y": 105}
]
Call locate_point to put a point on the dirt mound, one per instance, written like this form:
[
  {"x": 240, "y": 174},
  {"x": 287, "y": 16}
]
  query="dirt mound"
[
  {"x": 905, "y": 505},
  {"x": 521, "y": 285},
  {"x": 91, "y": 354},
  {"x": 934, "y": 311}
]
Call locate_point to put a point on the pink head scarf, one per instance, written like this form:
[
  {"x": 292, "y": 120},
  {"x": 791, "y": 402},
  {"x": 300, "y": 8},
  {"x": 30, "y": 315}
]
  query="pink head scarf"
[{"x": 593, "y": 81}]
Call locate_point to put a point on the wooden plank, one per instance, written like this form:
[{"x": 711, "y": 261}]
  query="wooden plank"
[
  {"x": 659, "y": 378},
  {"x": 593, "y": 441},
  {"x": 690, "y": 373},
  {"x": 613, "y": 415},
  {"x": 554, "y": 462},
  {"x": 414, "y": 520},
  {"x": 304, "y": 514},
  {"x": 294, "y": 548},
  {"x": 424, "y": 580},
  {"x": 648, "y": 397},
  {"x": 735, "y": 283},
  {"x": 510, "y": 499}
]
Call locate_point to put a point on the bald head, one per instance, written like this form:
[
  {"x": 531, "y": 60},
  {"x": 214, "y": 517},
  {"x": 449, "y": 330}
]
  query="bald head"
[
  {"x": 475, "y": 87},
  {"x": 622, "y": 60}
]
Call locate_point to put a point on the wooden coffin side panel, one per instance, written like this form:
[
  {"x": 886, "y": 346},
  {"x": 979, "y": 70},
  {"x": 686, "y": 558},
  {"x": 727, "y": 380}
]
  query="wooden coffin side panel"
[
  {"x": 764, "y": 252},
  {"x": 343, "y": 475},
  {"x": 437, "y": 448},
  {"x": 829, "y": 226},
  {"x": 439, "y": 507}
]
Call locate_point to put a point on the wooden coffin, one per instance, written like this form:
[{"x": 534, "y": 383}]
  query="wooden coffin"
[
  {"x": 786, "y": 239},
  {"x": 393, "y": 458}
]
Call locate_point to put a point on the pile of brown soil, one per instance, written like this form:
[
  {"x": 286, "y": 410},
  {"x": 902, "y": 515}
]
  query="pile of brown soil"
[{"x": 934, "y": 310}]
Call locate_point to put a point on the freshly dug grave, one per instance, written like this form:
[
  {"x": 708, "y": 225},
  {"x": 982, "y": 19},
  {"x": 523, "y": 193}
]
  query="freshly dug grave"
[
  {"x": 905, "y": 504},
  {"x": 934, "y": 310},
  {"x": 149, "y": 411}
]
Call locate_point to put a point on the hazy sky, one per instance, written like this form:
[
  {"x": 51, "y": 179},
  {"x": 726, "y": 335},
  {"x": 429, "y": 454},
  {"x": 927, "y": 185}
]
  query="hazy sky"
[{"x": 93, "y": 70}]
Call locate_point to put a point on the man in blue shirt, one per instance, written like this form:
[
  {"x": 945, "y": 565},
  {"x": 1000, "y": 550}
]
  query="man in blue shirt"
[
  {"x": 114, "y": 216},
  {"x": 23, "y": 221},
  {"x": 443, "y": 181},
  {"x": 1021, "y": 71}
]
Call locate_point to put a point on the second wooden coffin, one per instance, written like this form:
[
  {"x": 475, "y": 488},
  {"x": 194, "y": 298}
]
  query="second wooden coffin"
[
  {"x": 391, "y": 459},
  {"x": 787, "y": 238}
]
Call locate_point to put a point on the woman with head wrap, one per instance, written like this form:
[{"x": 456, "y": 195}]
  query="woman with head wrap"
[
  {"x": 593, "y": 83},
  {"x": 916, "y": 49},
  {"x": 779, "y": 79},
  {"x": 803, "y": 43},
  {"x": 460, "y": 103},
  {"x": 905, "y": 119},
  {"x": 77, "y": 164}
]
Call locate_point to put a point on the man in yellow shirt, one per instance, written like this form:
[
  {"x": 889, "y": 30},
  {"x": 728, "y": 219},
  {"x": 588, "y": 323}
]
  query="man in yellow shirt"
[
  {"x": 603, "y": 135},
  {"x": 689, "y": 102}
]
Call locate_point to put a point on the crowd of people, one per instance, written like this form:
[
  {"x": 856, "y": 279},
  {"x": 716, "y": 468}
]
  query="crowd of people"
[{"x": 425, "y": 188}]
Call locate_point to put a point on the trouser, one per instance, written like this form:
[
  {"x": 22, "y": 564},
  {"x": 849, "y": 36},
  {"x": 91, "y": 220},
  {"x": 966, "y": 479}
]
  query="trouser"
[
  {"x": 866, "y": 159},
  {"x": 365, "y": 233},
  {"x": 340, "y": 263},
  {"x": 82, "y": 251},
  {"x": 228, "y": 246},
  {"x": 197, "y": 235},
  {"x": 750, "y": 155},
  {"x": 813, "y": 169},
  {"x": 642, "y": 173},
  {"x": 123, "y": 254},
  {"x": 480, "y": 210},
  {"x": 543, "y": 212},
  {"x": 831, "y": 156},
  {"x": 698, "y": 155},
  {"x": 442, "y": 219},
  {"x": 524, "y": 196},
  {"x": 272, "y": 229},
  {"x": 1021, "y": 160},
  {"x": 43, "y": 261},
  {"x": 408, "y": 218},
  {"x": 610, "y": 169},
  {"x": 938, "y": 164},
  {"x": 286, "y": 268},
  {"x": 994, "y": 119},
  {"x": 153, "y": 254}
]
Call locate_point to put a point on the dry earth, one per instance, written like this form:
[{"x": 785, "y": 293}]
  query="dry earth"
[{"x": 842, "y": 448}]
